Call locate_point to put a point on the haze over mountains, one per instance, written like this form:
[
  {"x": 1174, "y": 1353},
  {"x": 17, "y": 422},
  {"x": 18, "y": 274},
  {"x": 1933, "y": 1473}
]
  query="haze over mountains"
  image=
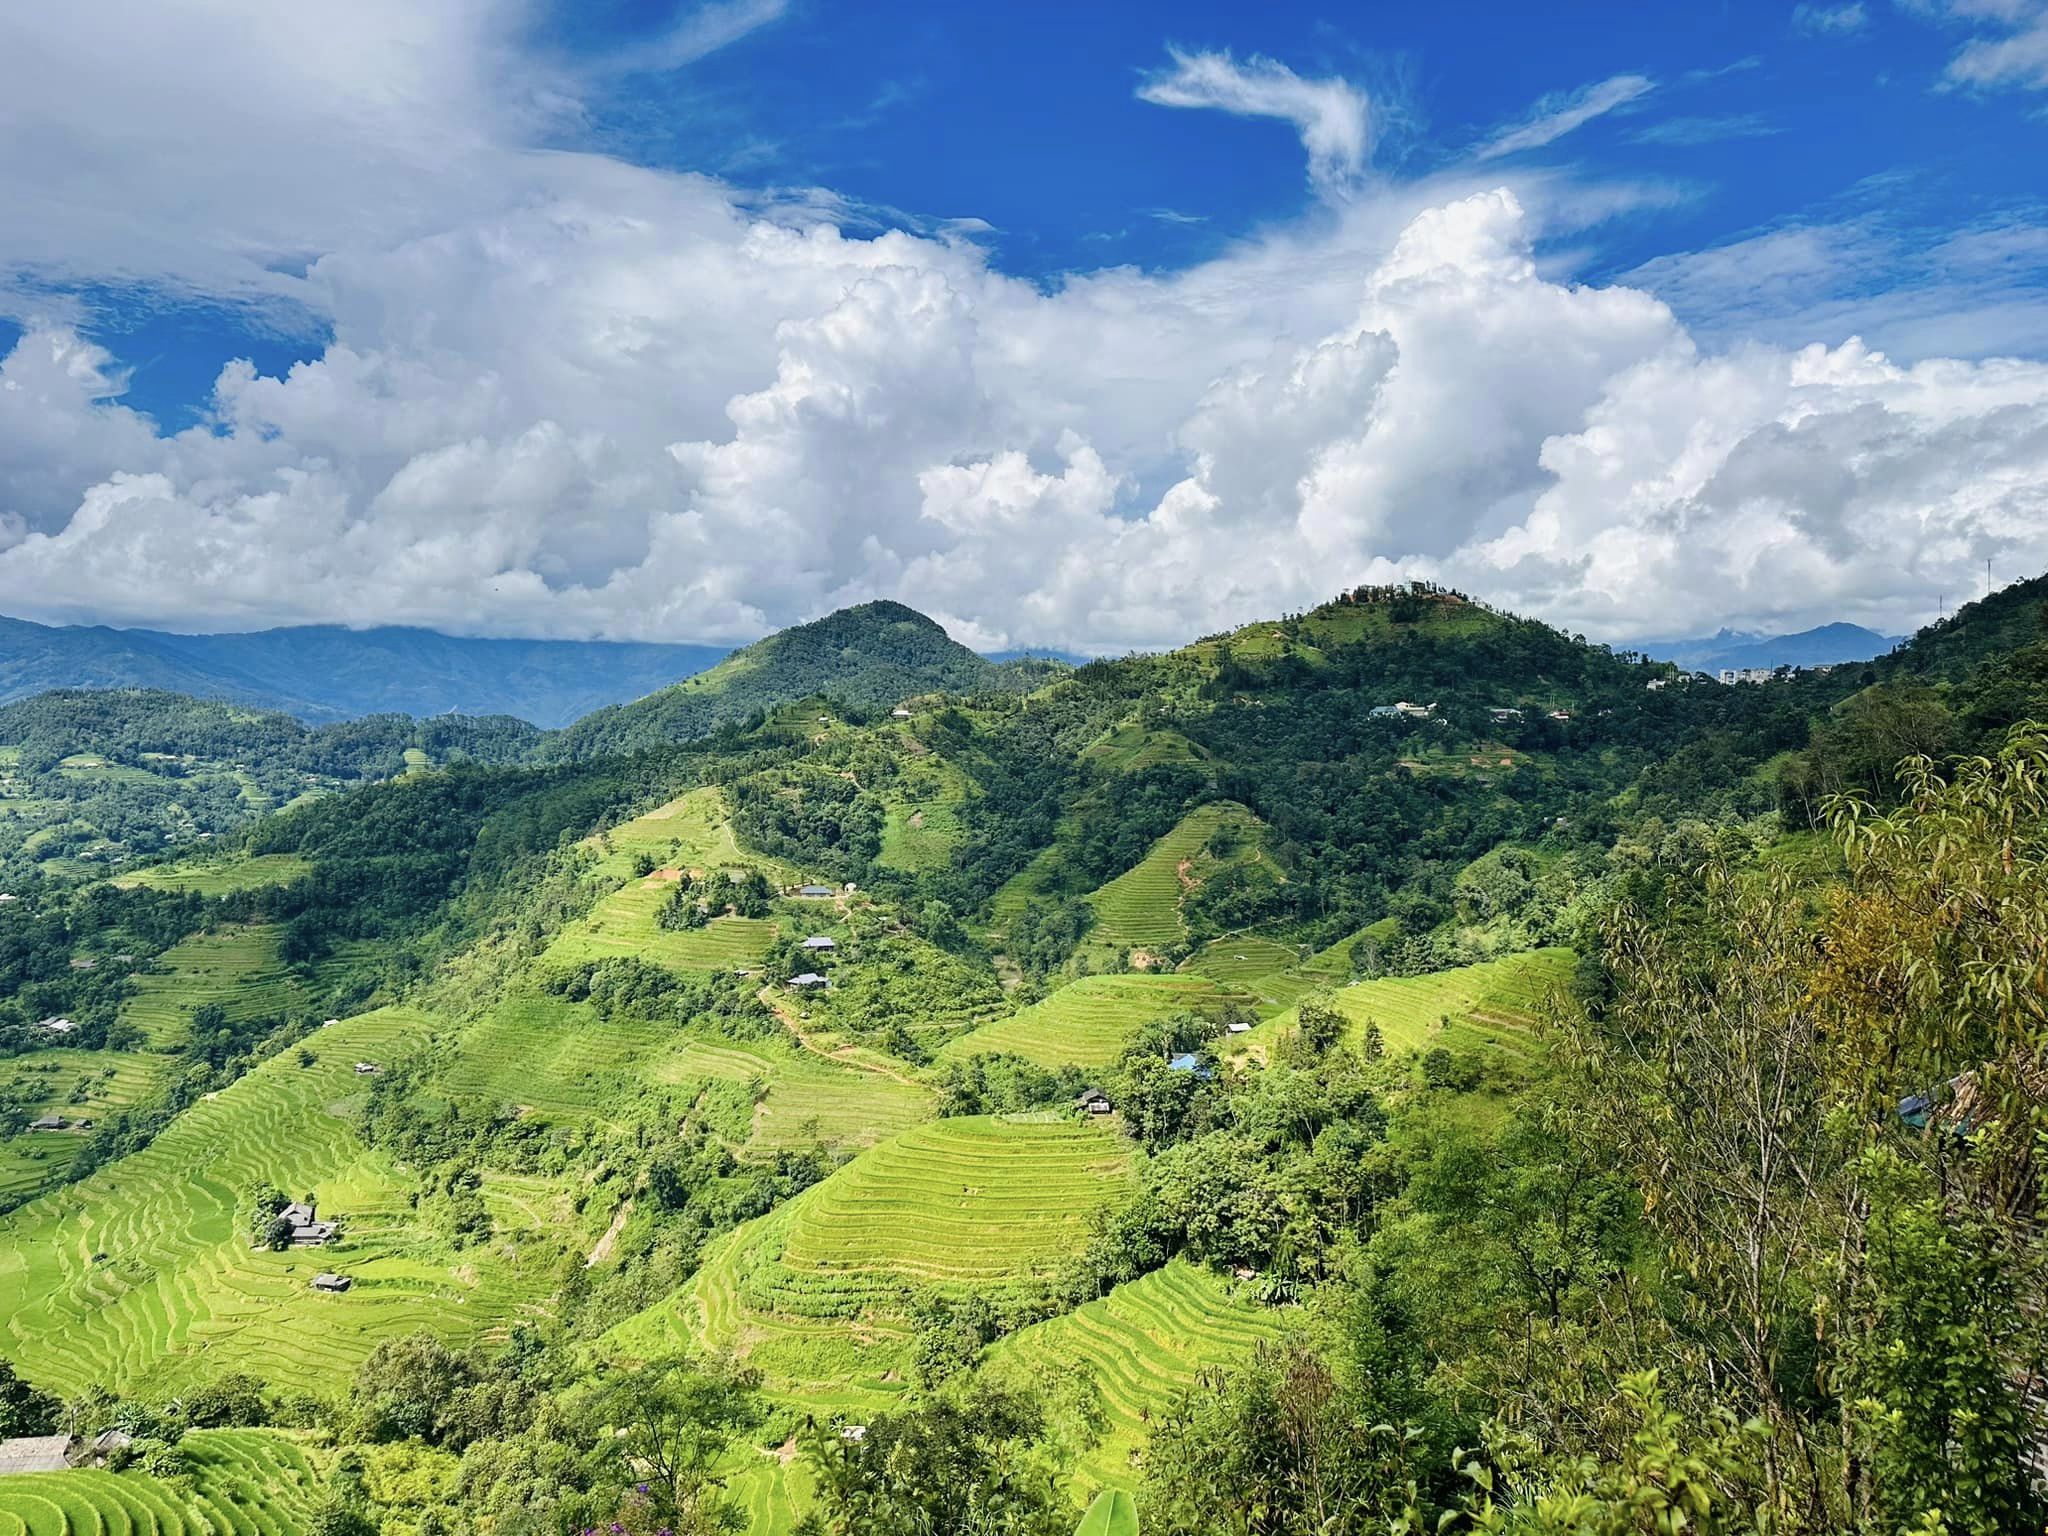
[
  {"x": 326, "y": 672},
  {"x": 1820, "y": 647}
]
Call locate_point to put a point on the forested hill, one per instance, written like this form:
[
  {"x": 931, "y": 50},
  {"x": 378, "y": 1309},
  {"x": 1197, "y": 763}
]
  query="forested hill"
[
  {"x": 869, "y": 657},
  {"x": 326, "y": 672},
  {"x": 93, "y": 779}
]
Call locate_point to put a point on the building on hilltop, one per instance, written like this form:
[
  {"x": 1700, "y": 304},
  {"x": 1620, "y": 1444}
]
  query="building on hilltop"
[{"x": 1733, "y": 675}]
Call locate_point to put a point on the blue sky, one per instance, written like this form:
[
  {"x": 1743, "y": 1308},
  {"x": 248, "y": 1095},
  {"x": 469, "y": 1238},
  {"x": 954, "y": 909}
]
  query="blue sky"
[{"x": 522, "y": 211}]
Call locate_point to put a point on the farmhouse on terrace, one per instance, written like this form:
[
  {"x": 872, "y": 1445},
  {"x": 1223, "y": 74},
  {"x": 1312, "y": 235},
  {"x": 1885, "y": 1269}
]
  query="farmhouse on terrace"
[{"x": 308, "y": 1231}]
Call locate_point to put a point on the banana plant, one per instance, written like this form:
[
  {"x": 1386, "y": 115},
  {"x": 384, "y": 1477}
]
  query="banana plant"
[{"x": 1112, "y": 1514}]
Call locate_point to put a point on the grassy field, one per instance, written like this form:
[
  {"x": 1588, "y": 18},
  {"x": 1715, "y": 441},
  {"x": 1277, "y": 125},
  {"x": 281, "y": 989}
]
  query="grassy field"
[
  {"x": 236, "y": 967},
  {"x": 1087, "y": 1022},
  {"x": 811, "y": 1099},
  {"x": 923, "y": 828},
  {"x": 1488, "y": 1007},
  {"x": 244, "y": 1482},
  {"x": 222, "y": 877},
  {"x": 1140, "y": 908},
  {"x": 547, "y": 1054},
  {"x": 141, "y": 1277},
  {"x": 1140, "y": 1347}
]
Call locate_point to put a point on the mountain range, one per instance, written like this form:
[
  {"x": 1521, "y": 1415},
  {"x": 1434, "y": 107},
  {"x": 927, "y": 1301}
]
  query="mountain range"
[
  {"x": 1824, "y": 646},
  {"x": 326, "y": 672}
]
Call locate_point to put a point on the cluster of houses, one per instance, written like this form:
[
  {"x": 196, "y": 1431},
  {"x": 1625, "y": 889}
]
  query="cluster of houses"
[
  {"x": 1402, "y": 710},
  {"x": 59, "y": 1123},
  {"x": 1733, "y": 675},
  {"x": 816, "y": 944},
  {"x": 56, "y": 1026}
]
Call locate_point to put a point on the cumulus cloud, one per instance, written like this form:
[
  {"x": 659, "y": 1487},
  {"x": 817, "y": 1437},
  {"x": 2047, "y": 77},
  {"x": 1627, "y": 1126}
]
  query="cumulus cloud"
[
  {"x": 592, "y": 399},
  {"x": 1332, "y": 116},
  {"x": 1561, "y": 113}
]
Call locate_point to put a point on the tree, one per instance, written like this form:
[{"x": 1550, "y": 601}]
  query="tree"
[
  {"x": 666, "y": 1428},
  {"x": 967, "y": 1461},
  {"x": 25, "y": 1409}
]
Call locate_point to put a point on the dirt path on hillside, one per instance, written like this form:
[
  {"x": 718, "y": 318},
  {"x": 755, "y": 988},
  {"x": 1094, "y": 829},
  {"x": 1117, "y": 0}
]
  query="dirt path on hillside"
[
  {"x": 845, "y": 1055},
  {"x": 605, "y": 1244}
]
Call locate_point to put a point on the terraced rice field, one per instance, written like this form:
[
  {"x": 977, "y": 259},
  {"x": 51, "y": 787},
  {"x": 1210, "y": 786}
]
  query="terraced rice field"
[
  {"x": 826, "y": 1366},
  {"x": 141, "y": 1277},
  {"x": 1140, "y": 908},
  {"x": 811, "y": 1099},
  {"x": 50, "y": 1083},
  {"x": 244, "y": 1483},
  {"x": 236, "y": 967},
  {"x": 773, "y": 1495},
  {"x": 814, "y": 1292},
  {"x": 554, "y": 1056},
  {"x": 1140, "y": 1347},
  {"x": 976, "y": 1204},
  {"x": 1132, "y": 748},
  {"x": 623, "y": 924},
  {"x": 1086, "y": 1023},
  {"x": 921, "y": 835},
  {"x": 219, "y": 879},
  {"x": 1490, "y": 1007}
]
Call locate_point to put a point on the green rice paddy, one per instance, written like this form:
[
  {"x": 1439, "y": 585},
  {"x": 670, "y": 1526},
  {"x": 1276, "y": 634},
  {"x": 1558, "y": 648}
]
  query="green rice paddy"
[
  {"x": 221, "y": 878},
  {"x": 1489, "y": 1007},
  {"x": 237, "y": 968},
  {"x": 1140, "y": 909},
  {"x": 141, "y": 1277},
  {"x": 1086, "y": 1023},
  {"x": 1140, "y": 1347},
  {"x": 243, "y": 1482}
]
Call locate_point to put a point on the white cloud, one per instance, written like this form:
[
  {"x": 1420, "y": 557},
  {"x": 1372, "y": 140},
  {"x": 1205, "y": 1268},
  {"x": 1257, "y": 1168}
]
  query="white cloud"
[
  {"x": 1562, "y": 112},
  {"x": 581, "y": 398},
  {"x": 700, "y": 33},
  {"x": 1830, "y": 20},
  {"x": 1332, "y": 116},
  {"x": 2007, "y": 46}
]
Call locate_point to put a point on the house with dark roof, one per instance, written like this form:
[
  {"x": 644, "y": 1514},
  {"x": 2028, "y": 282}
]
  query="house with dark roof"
[
  {"x": 1094, "y": 1101},
  {"x": 328, "y": 1281},
  {"x": 308, "y": 1230},
  {"x": 808, "y": 980},
  {"x": 50, "y": 1123},
  {"x": 819, "y": 942},
  {"x": 815, "y": 890}
]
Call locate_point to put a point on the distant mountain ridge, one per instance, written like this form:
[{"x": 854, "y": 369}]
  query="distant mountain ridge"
[
  {"x": 1824, "y": 646},
  {"x": 324, "y": 672}
]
